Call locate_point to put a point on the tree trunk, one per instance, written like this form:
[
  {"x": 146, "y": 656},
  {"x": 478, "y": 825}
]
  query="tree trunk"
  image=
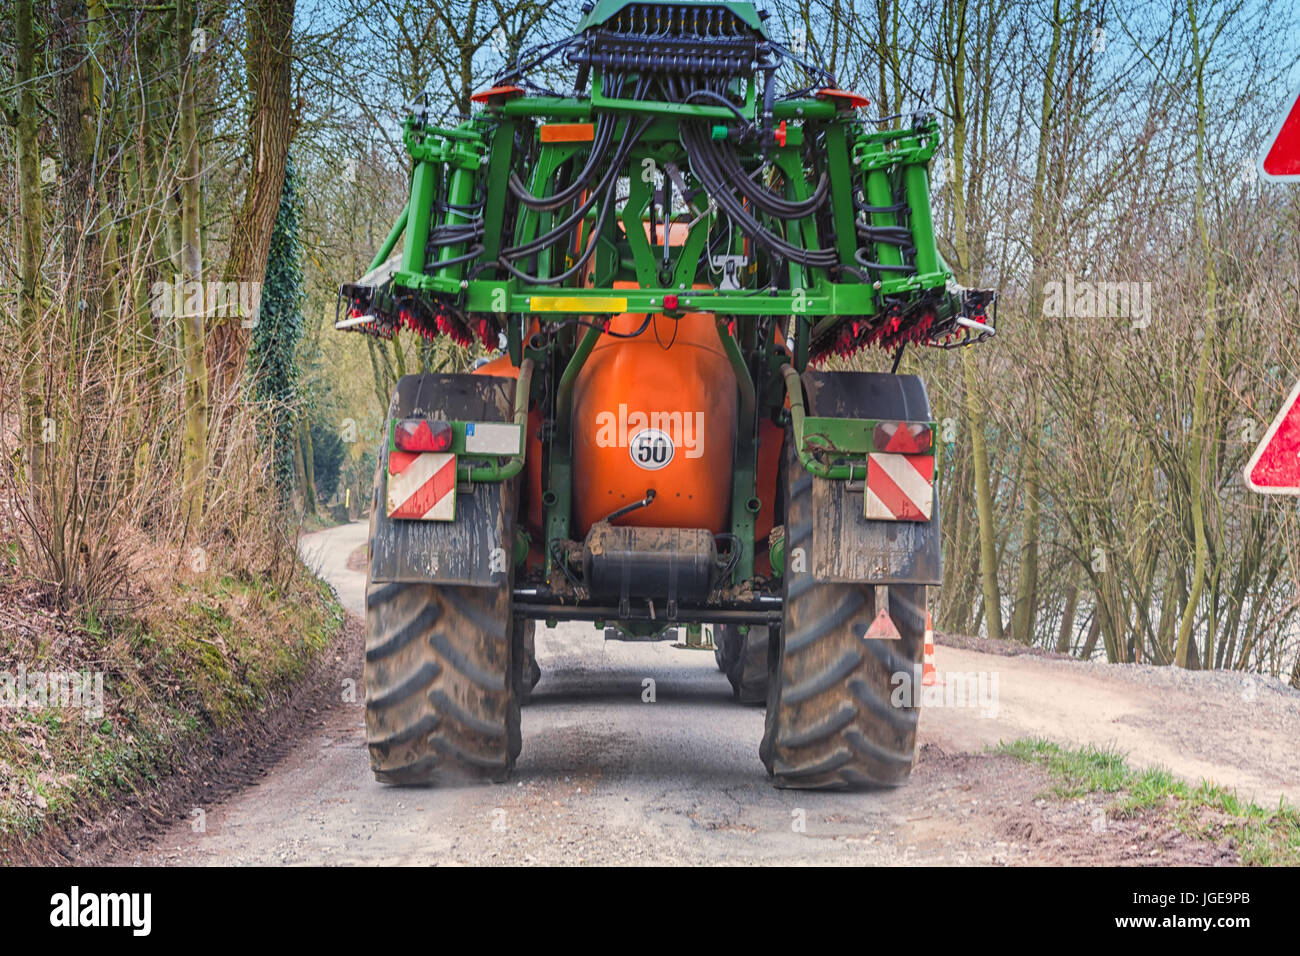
[
  {"x": 1043, "y": 219},
  {"x": 1195, "y": 453},
  {"x": 299, "y": 473},
  {"x": 74, "y": 111},
  {"x": 31, "y": 246},
  {"x": 308, "y": 466},
  {"x": 1065, "y": 637},
  {"x": 192, "y": 301},
  {"x": 983, "y": 500},
  {"x": 1090, "y": 644},
  {"x": 954, "y": 38},
  {"x": 268, "y": 57}
]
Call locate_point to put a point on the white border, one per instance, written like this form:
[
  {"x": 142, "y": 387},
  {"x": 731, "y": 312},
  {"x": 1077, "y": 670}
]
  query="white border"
[
  {"x": 1294, "y": 104},
  {"x": 1268, "y": 437}
]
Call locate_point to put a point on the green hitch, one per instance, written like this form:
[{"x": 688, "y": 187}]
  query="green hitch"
[
  {"x": 776, "y": 553},
  {"x": 564, "y": 391},
  {"x": 743, "y": 379}
]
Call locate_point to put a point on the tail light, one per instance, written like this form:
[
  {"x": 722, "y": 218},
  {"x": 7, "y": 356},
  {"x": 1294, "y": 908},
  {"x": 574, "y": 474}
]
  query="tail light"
[
  {"x": 421, "y": 434},
  {"x": 903, "y": 438}
]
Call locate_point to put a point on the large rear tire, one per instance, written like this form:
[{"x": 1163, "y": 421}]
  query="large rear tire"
[
  {"x": 440, "y": 707},
  {"x": 831, "y": 723},
  {"x": 441, "y": 703},
  {"x": 743, "y": 658}
]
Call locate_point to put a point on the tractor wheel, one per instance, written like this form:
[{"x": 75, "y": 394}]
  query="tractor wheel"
[
  {"x": 439, "y": 704},
  {"x": 523, "y": 653},
  {"x": 831, "y": 723},
  {"x": 743, "y": 658},
  {"x": 439, "y": 677}
]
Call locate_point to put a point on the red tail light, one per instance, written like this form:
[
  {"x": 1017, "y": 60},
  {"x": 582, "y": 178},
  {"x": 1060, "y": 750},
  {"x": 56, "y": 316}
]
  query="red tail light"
[
  {"x": 420, "y": 434},
  {"x": 903, "y": 438}
]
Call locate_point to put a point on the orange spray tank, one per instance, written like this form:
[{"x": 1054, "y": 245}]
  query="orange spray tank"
[{"x": 655, "y": 412}]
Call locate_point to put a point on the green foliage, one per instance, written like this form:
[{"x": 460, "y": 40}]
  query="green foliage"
[
  {"x": 1264, "y": 837},
  {"x": 212, "y": 653},
  {"x": 273, "y": 366},
  {"x": 1079, "y": 771},
  {"x": 327, "y": 455}
]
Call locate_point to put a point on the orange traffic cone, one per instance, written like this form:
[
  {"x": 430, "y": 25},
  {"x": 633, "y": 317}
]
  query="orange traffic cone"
[{"x": 929, "y": 676}]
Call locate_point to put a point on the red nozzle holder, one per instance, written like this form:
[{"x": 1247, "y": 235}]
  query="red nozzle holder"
[
  {"x": 670, "y": 302},
  {"x": 778, "y": 134}
]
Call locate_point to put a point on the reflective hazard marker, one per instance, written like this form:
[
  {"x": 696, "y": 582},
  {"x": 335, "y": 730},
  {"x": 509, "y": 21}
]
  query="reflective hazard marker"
[
  {"x": 899, "y": 487},
  {"x": 1280, "y": 158},
  {"x": 882, "y": 628},
  {"x": 1274, "y": 469},
  {"x": 422, "y": 486}
]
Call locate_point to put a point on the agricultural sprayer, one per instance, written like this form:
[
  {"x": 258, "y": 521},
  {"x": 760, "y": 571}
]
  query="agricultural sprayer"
[{"x": 663, "y": 253}]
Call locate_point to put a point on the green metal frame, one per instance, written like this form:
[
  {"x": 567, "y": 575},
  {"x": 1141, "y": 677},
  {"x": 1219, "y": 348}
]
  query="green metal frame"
[{"x": 456, "y": 169}]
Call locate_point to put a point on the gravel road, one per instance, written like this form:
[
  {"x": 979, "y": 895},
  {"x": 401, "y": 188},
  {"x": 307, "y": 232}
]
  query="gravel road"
[{"x": 607, "y": 778}]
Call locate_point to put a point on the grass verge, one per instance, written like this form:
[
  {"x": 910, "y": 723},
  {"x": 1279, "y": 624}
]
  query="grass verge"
[
  {"x": 202, "y": 656},
  {"x": 1204, "y": 810}
]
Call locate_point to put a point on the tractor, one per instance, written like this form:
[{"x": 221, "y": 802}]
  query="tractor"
[{"x": 661, "y": 259}]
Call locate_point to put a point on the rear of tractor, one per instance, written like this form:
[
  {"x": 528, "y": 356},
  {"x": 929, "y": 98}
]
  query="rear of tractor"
[{"x": 663, "y": 254}]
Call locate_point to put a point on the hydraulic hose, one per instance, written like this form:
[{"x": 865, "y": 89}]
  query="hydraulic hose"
[
  {"x": 720, "y": 192},
  {"x": 603, "y": 191}
]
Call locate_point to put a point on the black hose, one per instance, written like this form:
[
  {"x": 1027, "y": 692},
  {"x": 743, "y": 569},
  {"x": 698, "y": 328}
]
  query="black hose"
[
  {"x": 720, "y": 192},
  {"x": 719, "y": 99},
  {"x": 605, "y": 192},
  {"x": 729, "y": 167},
  {"x": 601, "y": 139},
  {"x": 561, "y": 231},
  {"x": 890, "y": 235},
  {"x": 860, "y": 256},
  {"x": 628, "y": 509},
  {"x": 599, "y": 147},
  {"x": 766, "y": 200},
  {"x": 474, "y": 253}
]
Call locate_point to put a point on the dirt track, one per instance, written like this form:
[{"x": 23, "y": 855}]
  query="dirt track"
[{"x": 606, "y": 778}]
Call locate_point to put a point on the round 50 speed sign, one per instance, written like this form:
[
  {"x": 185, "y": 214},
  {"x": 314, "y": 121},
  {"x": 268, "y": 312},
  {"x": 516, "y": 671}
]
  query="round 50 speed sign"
[{"x": 651, "y": 449}]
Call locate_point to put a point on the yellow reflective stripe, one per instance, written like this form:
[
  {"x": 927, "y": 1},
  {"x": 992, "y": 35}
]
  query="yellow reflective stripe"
[{"x": 574, "y": 303}]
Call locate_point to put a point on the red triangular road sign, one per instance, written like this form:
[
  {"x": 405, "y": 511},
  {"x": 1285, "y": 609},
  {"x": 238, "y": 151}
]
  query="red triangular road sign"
[
  {"x": 1274, "y": 469},
  {"x": 1280, "y": 158}
]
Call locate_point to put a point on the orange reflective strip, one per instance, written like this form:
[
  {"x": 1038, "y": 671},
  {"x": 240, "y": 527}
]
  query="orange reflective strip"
[{"x": 568, "y": 133}]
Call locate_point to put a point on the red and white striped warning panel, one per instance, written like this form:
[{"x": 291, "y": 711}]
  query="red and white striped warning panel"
[
  {"x": 899, "y": 487},
  {"x": 422, "y": 485}
]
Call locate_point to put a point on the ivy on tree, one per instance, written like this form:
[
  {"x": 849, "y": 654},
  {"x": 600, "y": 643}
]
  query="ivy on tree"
[{"x": 272, "y": 356}]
